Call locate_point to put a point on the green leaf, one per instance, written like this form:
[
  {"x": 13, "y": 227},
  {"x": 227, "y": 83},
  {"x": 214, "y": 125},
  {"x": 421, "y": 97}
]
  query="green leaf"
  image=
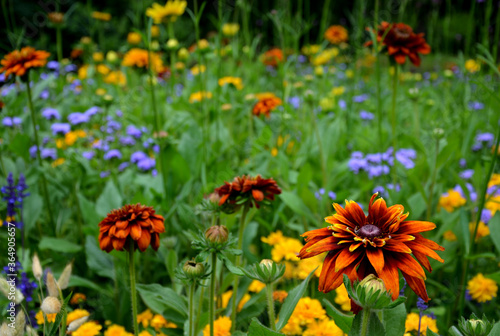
[
  {"x": 496, "y": 330},
  {"x": 164, "y": 301},
  {"x": 417, "y": 204},
  {"x": 257, "y": 329},
  {"x": 494, "y": 225},
  {"x": 33, "y": 206},
  {"x": 375, "y": 327},
  {"x": 110, "y": 199},
  {"x": 294, "y": 202},
  {"x": 59, "y": 245},
  {"x": 342, "y": 320},
  {"x": 98, "y": 260},
  {"x": 464, "y": 231},
  {"x": 20, "y": 144},
  {"x": 76, "y": 281},
  {"x": 453, "y": 331},
  {"x": 291, "y": 301},
  {"x": 88, "y": 209},
  {"x": 394, "y": 320}
]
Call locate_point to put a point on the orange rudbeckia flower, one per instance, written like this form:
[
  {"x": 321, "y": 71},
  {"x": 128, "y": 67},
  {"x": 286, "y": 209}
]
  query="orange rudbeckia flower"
[
  {"x": 19, "y": 62},
  {"x": 381, "y": 243},
  {"x": 137, "y": 222}
]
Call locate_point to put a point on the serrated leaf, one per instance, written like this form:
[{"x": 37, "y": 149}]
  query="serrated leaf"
[{"x": 342, "y": 320}]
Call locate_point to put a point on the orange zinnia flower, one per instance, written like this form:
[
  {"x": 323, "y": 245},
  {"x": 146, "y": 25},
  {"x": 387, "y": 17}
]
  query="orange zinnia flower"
[
  {"x": 267, "y": 102},
  {"x": 254, "y": 188},
  {"x": 131, "y": 222},
  {"x": 273, "y": 57},
  {"x": 401, "y": 41},
  {"x": 380, "y": 244},
  {"x": 19, "y": 62},
  {"x": 336, "y": 34}
]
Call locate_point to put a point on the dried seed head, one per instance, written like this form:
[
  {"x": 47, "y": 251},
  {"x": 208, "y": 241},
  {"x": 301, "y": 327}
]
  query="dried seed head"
[
  {"x": 51, "y": 305},
  {"x": 30, "y": 331},
  {"x": 20, "y": 324},
  {"x": 52, "y": 286},
  {"x": 36, "y": 266},
  {"x": 77, "y": 323},
  {"x": 65, "y": 276},
  {"x": 6, "y": 330}
]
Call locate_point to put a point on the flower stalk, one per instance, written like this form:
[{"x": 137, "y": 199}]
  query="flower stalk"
[
  {"x": 191, "y": 309},
  {"x": 270, "y": 306},
  {"x": 212, "y": 293},
  {"x": 133, "y": 293},
  {"x": 394, "y": 122}
]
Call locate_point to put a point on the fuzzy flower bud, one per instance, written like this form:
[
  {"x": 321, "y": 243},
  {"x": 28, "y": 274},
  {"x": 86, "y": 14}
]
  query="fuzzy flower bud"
[
  {"x": 51, "y": 305},
  {"x": 65, "y": 276},
  {"x": 77, "y": 323},
  {"x": 20, "y": 324},
  {"x": 36, "y": 266},
  {"x": 192, "y": 269},
  {"x": 6, "y": 330},
  {"x": 52, "y": 286},
  {"x": 217, "y": 234}
]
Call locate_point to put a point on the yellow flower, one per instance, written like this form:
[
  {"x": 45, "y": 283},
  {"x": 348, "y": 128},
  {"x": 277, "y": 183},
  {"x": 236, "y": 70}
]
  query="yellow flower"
[
  {"x": 222, "y": 327},
  {"x": 235, "y": 81},
  {"x": 103, "y": 69},
  {"x": 116, "y": 330},
  {"x": 98, "y": 57},
  {"x": 494, "y": 180},
  {"x": 145, "y": 317},
  {"x": 349, "y": 73},
  {"x": 337, "y": 91},
  {"x": 273, "y": 238},
  {"x": 482, "y": 230},
  {"x": 183, "y": 54},
  {"x": 493, "y": 204},
  {"x": 287, "y": 249},
  {"x": 116, "y": 77},
  {"x": 140, "y": 58},
  {"x": 100, "y": 92},
  {"x": 159, "y": 322},
  {"x": 412, "y": 321},
  {"x": 325, "y": 56},
  {"x": 170, "y": 11},
  {"x": 311, "y": 49},
  {"x": 324, "y": 327},
  {"x": 318, "y": 71},
  {"x": 305, "y": 266},
  {"x": 230, "y": 29},
  {"x": 256, "y": 286},
  {"x": 134, "y": 38},
  {"x": 101, "y": 16},
  {"x": 82, "y": 71},
  {"x": 197, "y": 69},
  {"x": 227, "y": 295},
  {"x": 58, "y": 162},
  {"x": 155, "y": 31},
  {"x": 342, "y": 298},
  {"x": 199, "y": 96},
  {"x": 449, "y": 236},
  {"x": 472, "y": 66},
  {"x": 482, "y": 289},
  {"x": 203, "y": 44},
  {"x": 279, "y": 295},
  {"x": 305, "y": 314},
  {"x": 39, "y": 316},
  {"x": 327, "y": 103},
  {"x": 451, "y": 200},
  {"x": 76, "y": 314},
  {"x": 274, "y": 151},
  {"x": 111, "y": 56},
  {"x": 91, "y": 328}
]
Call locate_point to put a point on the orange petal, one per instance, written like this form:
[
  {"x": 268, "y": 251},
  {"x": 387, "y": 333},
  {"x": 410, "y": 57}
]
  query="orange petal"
[
  {"x": 118, "y": 244},
  {"x": 396, "y": 246},
  {"x": 390, "y": 276},
  {"x": 376, "y": 257},
  {"x": 144, "y": 241},
  {"x": 409, "y": 227},
  {"x": 257, "y": 195},
  {"x": 327, "y": 269},
  {"x": 136, "y": 231},
  {"x": 410, "y": 266},
  {"x": 417, "y": 285},
  {"x": 346, "y": 258}
]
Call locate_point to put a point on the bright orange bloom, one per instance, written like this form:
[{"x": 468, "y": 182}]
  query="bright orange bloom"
[
  {"x": 380, "y": 244},
  {"x": 136, "y": 222},
  {"x": 19, "y": 62},
  {"x": 401, "y": 41},
  {"x": 256, "y": 188},
  {"x": 139, "y": 58},
  {"x": 273, "y": 57},
  {"x": 266, "y": 104},
  {"x": 336, "y": 34}
]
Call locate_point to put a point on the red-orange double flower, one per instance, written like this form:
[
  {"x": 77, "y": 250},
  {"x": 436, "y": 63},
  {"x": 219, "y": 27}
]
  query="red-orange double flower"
[
  {"x": 381, "y": 244},
  {"x": 401, "y": 41},
  {"x": 137, "y": 223},
  {"x": 19, "y": 62},
  {"x": 273, "y": 57},
  {"x": 257, "y": 189},
  {"x": 336, "y": 34},
  {"x": 267, "y": 103}
]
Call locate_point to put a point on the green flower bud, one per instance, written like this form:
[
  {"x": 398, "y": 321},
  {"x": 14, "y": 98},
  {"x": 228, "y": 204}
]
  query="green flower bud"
[
  {"x": 475, "y": 326},
  {"x": 193, "y": 270},
  {"x": 217, "y": 234},
  {"x": 267, "y": 271}
]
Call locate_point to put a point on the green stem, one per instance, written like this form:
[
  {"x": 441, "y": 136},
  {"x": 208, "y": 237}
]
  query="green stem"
[
  {"x": 470, "y": 27},
  {"x": 377, "y": 80},
  {"x": 59, "y": 43},
  {"x": 433, "y": 182},
  {"x": 320, "y": 148},
  {"x": 38, "y": 156},
  {"x": 324, "y": 20},
  {"x": 191, "y": 309},
  {"x": 237, "y": 264},
  {"x": 133, "y": 294},
  {"x": 212, "y": 293},
  {"x": 496, "y": 37},
  {"x": 394, "y": 123},
  {"x": 270, "y": 306},
  {"x": 365, "y": 321}
]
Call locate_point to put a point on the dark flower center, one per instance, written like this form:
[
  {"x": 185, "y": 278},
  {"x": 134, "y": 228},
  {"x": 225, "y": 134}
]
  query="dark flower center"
[
  {"x": 402, "y": 33},
  {"x": 369, "y": 231}
]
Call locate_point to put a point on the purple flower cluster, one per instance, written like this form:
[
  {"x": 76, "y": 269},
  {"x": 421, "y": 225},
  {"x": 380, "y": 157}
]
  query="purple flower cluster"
[
  {"x": 11, "y": 121},
  {"x": 45, "y": 153},
  {"x": 483, "y": 140},
  {"x": 378, "y": 164},
  {"x": 319, "y": 194},
  {"x": 14, "y": 196},
  {"x": 364, "y": 115}
]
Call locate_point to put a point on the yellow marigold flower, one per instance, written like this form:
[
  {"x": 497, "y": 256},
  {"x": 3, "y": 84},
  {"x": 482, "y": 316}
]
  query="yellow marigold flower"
[
  {"x": 82, "y": 71},
  {"x": 337, "y": 91},
  {"x": 39, "y": 316},
  {"x": 304, "y": 315},
  {"x": 235, "y": 81},
  {"x": 449, "y": 236},
  {"x": 199, "y": 96},
  {"x": 58, "y": 162},
  {"x": 342, "y": 298},
  {"x": 451, "y": 200},
  {"x": 274, "y": 151},
  {"x": 273, "y": 238},
  {"x": 256, "y": 286},
  {"x": 103, "y": 69},
  {"x": 155, "y": 31},
  {"x": 312, "y": 49},
  {"x": 136, "y": 57},
  {"x": 159, "y": 322},
  {"x": 134, "y": 38},
  {"x": 98, "y": 57},
  {"x": 222, "y": 327},
  {"x": 318, "y": 71},
  {"x": 77, "y": 298},
  {"x": 411, "y": 323},
  {"x": 76, "y": 314},
  {"x": 91, "y": 328},
  {"x": 144, "y": 333},
  {"x": 197, "y": 69},
  {"x": 170, "y": 11},
  {"x": 324, "y": 327},
  {"x": 287, "y": 249},
  {"x": 279, "y": 295},
  {"x": 472, "y": 66},
  {"x": 482, "y": 230},
  {"x": 230, "y": 29},
  {"x": 482, "y": 289},
  {"x": 493, "y": 204},
  {"x": 144, "y": 318},
  {"x": 203, "y": 44},
  {"x": 116, "y": 330},
  {"x": 494, "y": 180},
  {"x": 305, "y": 266},
  {"x": 101, "y": 16},
  {"x": 116, "y": 77},
  {"x": 325, "y": 56},
  {"x": 227, "y": 295}
]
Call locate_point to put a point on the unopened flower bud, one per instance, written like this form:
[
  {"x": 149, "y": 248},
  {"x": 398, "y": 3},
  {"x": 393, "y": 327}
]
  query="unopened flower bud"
[
  {"x": 51, "y": 305},
  {"x": 111, "y": 56},
  {"x": 475, "y": 326},
  {"x": 36, "y": 266},
  {"x": 192, "y": 269},
  {"x": 172, "y": 44},
  {"x": 183, "y": 54},
  {"x": 268, "y": 263},
  {"x": 371, "y": 282},
  {"x": 217, "y": 234}
]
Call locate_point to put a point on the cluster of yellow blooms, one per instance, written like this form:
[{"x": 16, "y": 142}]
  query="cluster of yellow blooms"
[
  {"x": 413, "y": 322},
  {"x": 234, "y": 81},
  {"x": 156, "y": 321}
]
